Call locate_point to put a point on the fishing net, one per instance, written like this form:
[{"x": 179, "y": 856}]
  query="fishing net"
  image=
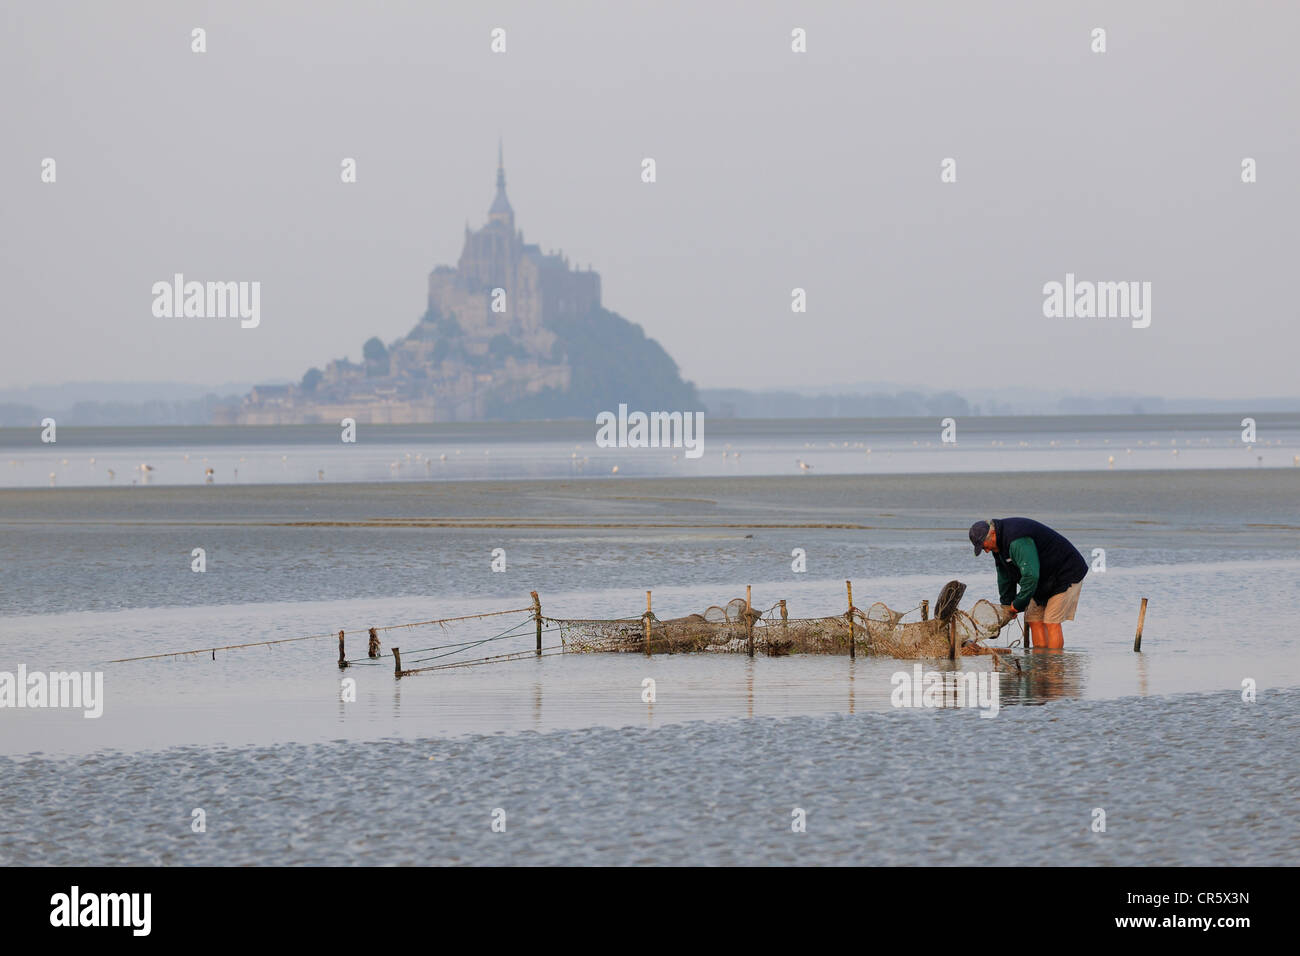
[
  {"x": 719, "y": 628},
  {"x": 730, "y": 628},
  {"x": 888, "y": 634}
]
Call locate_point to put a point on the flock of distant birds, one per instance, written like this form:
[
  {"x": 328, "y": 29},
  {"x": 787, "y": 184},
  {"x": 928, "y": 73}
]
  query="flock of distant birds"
[{"x": 209, "y": 473}]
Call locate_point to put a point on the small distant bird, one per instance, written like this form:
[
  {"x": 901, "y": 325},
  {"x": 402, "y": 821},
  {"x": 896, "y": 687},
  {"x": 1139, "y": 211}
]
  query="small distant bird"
[
  {"x": 146, "y": 468},
  {"x": 803, "y": 465},
  {"x": 320, "y": 475},
  {"x": 1110, "y": 460},
  {"x": 443, "y": 456},
  {"x": 111, "y": 474},
  {"x": 51, "y": 478},
  {"x": 615, "y": 470}
]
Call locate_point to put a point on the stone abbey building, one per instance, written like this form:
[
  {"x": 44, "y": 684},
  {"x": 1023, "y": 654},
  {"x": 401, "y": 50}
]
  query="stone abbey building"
[
  {"x": 537, "y": 286},
  {"x": 484, "y": 340}
]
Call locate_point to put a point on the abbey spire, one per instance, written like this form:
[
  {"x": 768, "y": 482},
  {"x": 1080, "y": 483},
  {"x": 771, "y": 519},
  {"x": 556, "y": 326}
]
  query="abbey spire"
[{"x": 501, "y": 211}]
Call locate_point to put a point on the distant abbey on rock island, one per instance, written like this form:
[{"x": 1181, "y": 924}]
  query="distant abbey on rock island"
[{"x": 511, "y": 332}]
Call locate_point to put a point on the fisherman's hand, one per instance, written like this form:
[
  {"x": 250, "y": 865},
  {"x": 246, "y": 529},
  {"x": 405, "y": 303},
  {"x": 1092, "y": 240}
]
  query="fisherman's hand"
[{"x": 1010, "y": 611}]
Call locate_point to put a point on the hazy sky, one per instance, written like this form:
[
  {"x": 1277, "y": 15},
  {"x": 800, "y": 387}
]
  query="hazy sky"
[{"x": 775, "y": 170}]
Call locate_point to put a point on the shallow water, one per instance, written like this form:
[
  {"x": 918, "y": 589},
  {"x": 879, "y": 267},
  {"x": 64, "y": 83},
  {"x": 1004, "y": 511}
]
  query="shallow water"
[{"x": 109, "y": 572}]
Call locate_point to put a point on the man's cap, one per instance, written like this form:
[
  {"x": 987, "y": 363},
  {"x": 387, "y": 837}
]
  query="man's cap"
[{"x": 978, "y": 532}]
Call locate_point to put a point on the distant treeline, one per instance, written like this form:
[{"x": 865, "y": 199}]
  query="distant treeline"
[
  {"x": 650, "y": 382},
  {"x": 196, "y": 411},
  {"x": 1172, "y": 406},
  {"x": 738, "y": 403}
]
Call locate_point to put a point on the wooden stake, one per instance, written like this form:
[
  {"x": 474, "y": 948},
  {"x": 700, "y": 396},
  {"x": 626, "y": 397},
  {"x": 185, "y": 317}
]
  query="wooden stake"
[
  {"x": 749, "y": 618},
  {"x": 537, "y": 613},
  {"x": 853, "y": 641},
  {"x": 1142, "y": 616},
  {"x": 925, "y": 610},
  {"x": 647, "y": 624},
  {"x": 784, "y": 615},
  {"x": 373, "y": 649},
  {"x": 397, "y": 662},
  {"x": 342, "y": 657}
]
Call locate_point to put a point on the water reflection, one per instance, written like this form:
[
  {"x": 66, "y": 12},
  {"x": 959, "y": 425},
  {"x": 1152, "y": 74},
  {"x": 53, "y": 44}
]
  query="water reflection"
[
  {"x": 1045, "y": 675},
  {"x": 749, "y": 687}
]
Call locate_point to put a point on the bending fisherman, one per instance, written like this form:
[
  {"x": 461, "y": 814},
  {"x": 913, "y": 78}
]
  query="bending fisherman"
[{"x": 1039, "y": 573}]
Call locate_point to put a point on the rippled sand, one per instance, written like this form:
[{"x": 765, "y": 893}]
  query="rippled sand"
[{"x": 1190, "y": 779}]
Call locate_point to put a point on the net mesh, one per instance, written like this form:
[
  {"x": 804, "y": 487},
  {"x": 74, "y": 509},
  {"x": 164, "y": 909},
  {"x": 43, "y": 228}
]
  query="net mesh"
[{"x": 729, "y": 628}]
